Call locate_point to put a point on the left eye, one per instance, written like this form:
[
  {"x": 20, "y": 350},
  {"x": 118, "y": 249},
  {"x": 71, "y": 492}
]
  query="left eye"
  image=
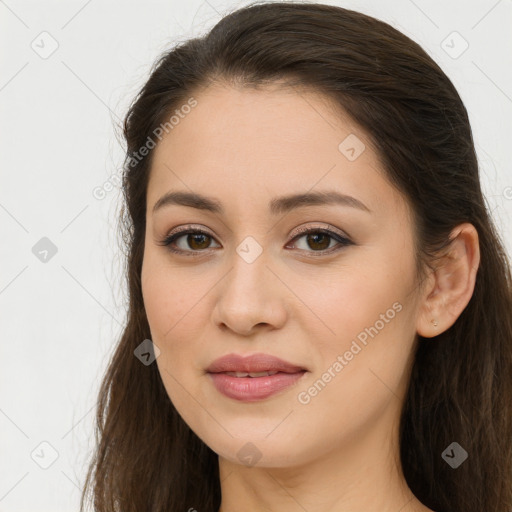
[
  {"x": 316, "y": 238},
  {"x": 321, "y": 239}
]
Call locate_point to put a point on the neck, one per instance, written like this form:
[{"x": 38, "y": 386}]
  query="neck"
[{"x": 363, "y": 473}]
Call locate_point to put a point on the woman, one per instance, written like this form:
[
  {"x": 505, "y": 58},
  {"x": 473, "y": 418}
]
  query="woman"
[{"x": 319, "y": 302}]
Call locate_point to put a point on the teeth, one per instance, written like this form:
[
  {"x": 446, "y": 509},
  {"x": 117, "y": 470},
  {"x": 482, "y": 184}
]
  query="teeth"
[{"x": 251, "y": 374}]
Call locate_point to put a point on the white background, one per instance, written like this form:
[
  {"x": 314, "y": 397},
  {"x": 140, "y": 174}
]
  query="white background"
[{"x": 60, "y": 319}]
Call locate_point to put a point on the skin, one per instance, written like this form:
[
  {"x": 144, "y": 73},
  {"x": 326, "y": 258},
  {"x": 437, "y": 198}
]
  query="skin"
[{"x": 338, "y": 452}]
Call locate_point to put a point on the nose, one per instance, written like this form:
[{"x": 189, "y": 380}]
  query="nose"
[{"x": 250, "y": 298}]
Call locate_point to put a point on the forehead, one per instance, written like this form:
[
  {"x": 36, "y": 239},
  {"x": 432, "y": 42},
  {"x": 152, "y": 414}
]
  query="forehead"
[
  {"x": 273, "y": 140},
  {"x": 276, "y": 119}
]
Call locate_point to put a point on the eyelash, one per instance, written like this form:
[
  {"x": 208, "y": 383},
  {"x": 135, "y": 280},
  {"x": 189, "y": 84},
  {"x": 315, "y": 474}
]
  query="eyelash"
[{"x": 342, "y": 241}]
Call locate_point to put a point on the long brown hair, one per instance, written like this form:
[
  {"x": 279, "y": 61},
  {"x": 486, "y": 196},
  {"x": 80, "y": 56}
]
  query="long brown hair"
[{"x": 147, "y": 458}]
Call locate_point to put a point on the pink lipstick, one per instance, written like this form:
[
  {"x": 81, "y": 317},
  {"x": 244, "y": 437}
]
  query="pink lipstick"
[{"x": 253, "y": 377}]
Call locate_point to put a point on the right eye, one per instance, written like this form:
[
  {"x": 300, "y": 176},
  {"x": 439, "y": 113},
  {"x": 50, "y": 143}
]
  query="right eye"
[{"x": 196, "y": 239}]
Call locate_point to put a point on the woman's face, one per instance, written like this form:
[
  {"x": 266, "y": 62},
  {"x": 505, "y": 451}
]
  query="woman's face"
[{"x": 252, "y": 283}]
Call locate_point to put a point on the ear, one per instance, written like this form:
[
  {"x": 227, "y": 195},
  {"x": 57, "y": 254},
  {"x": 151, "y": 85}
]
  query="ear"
[{"x": 450, "y": 286}]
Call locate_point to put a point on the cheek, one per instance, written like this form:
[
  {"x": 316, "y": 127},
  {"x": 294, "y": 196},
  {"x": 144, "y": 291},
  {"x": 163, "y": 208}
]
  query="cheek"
[
  {"x": 177, "y": 305},
  {"x": 172, "y": 309},
  {"x": 361, "y": 370},
  {"x": 366, "y": 319},
  {"x": 172, "y": 298},
  {"x": 354, "y": 299}
]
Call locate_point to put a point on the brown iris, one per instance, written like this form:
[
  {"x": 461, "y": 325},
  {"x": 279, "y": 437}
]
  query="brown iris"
[
  {"x": 194, "y": 237},
  {"x": 319, "y": 238}
]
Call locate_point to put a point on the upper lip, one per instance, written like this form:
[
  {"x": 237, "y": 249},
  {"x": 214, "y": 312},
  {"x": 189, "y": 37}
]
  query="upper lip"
[{"x": 252, "y": 363}]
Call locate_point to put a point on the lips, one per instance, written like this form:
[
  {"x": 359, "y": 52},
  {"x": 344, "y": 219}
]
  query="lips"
[
  {"x": 252, "y": 374},
  {"x": 249, "y": 389},
  {"x": 255, "y": 363}
]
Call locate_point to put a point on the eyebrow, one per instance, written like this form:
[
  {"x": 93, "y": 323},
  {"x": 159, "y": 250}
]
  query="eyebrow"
[{"x": 277, "y": 205}]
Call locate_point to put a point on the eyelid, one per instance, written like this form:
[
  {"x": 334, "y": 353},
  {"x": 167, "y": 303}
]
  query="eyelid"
[
  {"x": 190, "y": 227},
  {"x": 334, "y": 233},
  {"x": 329, "y": 227},
  {"x": 297, "y": 231}
]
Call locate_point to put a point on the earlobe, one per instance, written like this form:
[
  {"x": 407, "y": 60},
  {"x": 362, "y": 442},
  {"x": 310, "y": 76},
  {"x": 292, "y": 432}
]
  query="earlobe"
[{"x": 451, "y": 284}]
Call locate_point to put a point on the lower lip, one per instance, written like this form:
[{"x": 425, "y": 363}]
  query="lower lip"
[{"x": 251, "y": 389}]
